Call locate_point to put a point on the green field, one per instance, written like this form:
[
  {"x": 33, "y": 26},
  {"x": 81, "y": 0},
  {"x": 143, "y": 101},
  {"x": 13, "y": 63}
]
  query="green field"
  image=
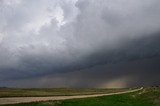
[
  {"x": 43, "y": 92},
  {"x": 145, "y": 97}
]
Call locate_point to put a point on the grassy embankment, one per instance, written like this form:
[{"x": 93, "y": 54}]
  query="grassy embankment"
[{"x": 145, "y": 97}]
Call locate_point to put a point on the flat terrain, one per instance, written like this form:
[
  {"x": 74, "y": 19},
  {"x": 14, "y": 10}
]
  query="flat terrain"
[
  {"x": 45, "y": 92},
  {"x": 32, "y": 99},
  {"x": 144, "y": 97}
]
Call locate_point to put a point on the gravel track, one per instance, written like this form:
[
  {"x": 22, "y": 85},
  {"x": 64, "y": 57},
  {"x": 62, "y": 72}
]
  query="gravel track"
[{"x": 35, "y": 99}]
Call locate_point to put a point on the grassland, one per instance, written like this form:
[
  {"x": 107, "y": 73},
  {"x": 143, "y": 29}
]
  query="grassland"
[
  {"x": 145, "y": 97},
  {"x": 44, "y": 92}
]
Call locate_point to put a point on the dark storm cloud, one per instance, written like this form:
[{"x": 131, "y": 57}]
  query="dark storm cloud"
[{"x": 79, "y": 43}]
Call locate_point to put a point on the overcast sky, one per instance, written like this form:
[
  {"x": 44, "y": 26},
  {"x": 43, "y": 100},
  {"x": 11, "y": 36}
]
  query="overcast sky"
[{"x": 79, "y": 43}]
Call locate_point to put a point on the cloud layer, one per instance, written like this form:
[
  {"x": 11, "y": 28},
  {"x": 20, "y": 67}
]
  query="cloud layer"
[{"x": 76, "y": 42}]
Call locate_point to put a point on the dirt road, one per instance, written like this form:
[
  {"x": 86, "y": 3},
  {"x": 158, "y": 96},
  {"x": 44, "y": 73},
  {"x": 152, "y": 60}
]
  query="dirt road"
[{"x": 34, "y": 99}]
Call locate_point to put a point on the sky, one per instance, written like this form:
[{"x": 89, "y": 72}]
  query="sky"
[{"x": 79, "y": 43}]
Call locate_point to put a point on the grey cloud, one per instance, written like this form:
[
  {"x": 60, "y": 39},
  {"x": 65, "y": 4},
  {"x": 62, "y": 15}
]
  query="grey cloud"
[
  {"x": 61, "y": 38},
  {"x": 126, "y": 74}
]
